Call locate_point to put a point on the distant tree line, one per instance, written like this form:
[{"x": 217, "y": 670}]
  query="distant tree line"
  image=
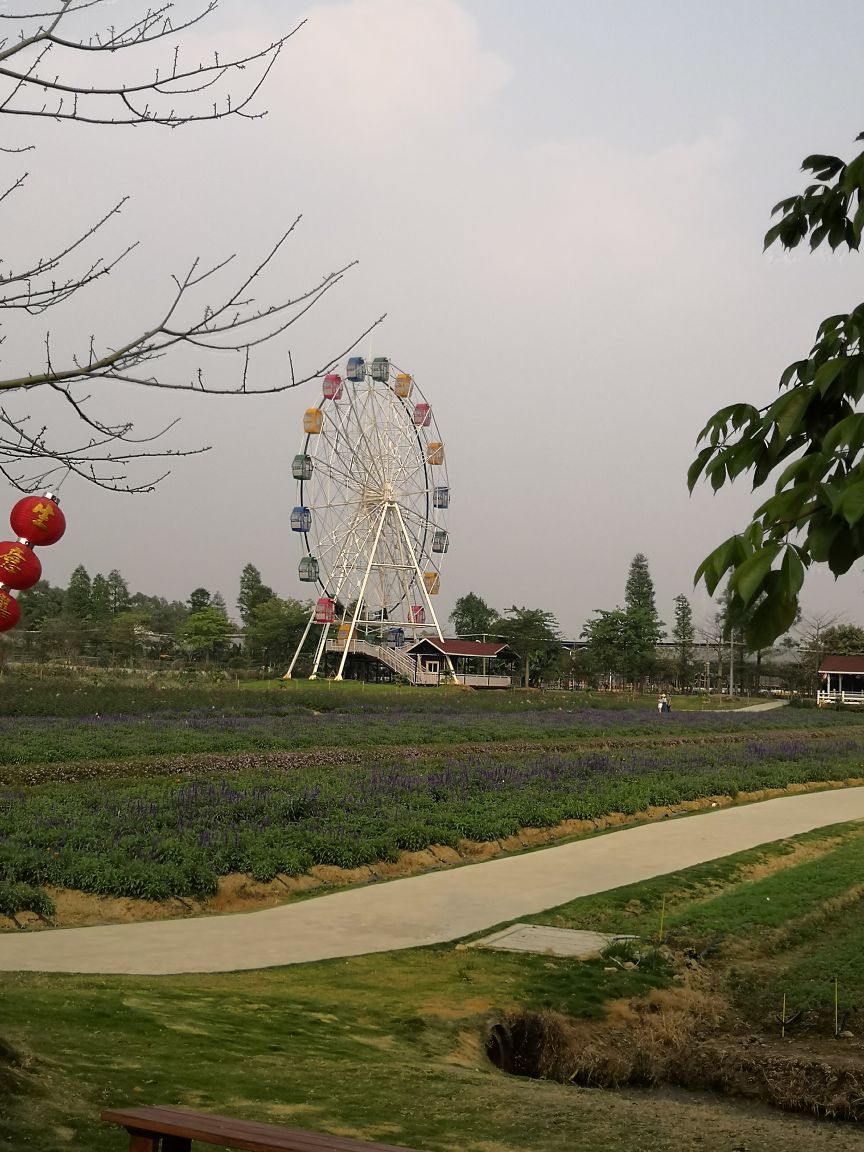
[
  {"x": 628, "y": 646},
  {"x": 97, "y": 618}
]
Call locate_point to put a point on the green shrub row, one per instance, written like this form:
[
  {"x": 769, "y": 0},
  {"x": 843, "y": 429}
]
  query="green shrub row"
[
  {"x": 17, "y": 897},
  {"x": 158, "y": 838}
]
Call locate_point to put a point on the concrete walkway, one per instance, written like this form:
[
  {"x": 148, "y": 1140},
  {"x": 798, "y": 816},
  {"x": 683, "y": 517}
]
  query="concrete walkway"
[
  {"x": 428, "y": 909},
  {"x": 765, "y": 706}
]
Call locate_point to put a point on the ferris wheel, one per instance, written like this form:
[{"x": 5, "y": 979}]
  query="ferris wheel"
[{"x": 371, "y": 512}]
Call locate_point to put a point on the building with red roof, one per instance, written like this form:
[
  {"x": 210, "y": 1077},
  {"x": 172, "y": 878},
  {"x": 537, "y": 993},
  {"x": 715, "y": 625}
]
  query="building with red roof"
[
  {"x": 841, "y": 680},
  {"x": 477, "y": 665}
]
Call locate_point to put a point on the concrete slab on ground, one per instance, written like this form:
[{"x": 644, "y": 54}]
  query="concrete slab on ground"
[{"x": 548, "y": 941}]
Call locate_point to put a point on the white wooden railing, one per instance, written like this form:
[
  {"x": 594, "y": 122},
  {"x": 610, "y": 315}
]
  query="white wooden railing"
[{"x": 823, "y": 698}]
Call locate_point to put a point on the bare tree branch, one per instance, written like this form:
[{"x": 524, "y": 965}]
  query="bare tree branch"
[
  {"x": 202, "y": 315},
  {"x": 125, "y": 103}
]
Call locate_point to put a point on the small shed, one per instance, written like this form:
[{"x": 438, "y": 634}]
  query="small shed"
[
  {"x": 477, "y": 665},
  {"x": 841, "y": 680}
]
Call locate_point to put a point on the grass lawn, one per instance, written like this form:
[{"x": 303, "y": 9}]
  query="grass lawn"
[
  {"x": 786, "y": 918},
  {"x": 385, "y": 1047},
  {"x": 389, "y": 1047}
]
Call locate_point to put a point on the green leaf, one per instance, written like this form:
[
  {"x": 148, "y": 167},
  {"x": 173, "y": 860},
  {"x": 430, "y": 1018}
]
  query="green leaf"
[
  {"x": 844, "y": 551},
  {"x": 820, "y": 537},
  {"x": 716, "y": 472},
  {"x": 717, "y": 424},
  {"x": 742, "y": 456},
  {"x": 831, "y": 324},
  {"x": 714, "y": 566},
  {"x": 858, "y": 218},
  {"x": 823, "y": 167},
  {"x": 828, "y": 373},
  {"x": 851, "y": 503},
  {"x": 770, "y": 619},
  {"x": 748, "y": 577},
  {"x": 695, "y": 469},
  {"x": 773, "y": 233},
  {"x": 788, "y": 410},
  {"x": 791, "y": 573},
  {"x": 817, "y": 236},
  {"x": 785, "y": 205},
  {"x": 785, "y": 506},
  {"x": 848, "y": 432},
  {"x": 804, "y": 468},
  {"x": 853, "y": 177},
  {"x": 837, "y": 233},
  {"x": 832, "y": 495}
]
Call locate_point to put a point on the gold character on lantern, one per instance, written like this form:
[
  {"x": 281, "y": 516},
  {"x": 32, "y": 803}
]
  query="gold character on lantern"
[
  {"x": 13, "y": 559},
  {"x": 42, "y": 513}
]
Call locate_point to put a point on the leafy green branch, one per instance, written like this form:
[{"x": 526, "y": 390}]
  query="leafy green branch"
[{"x": 813, "y": 431}]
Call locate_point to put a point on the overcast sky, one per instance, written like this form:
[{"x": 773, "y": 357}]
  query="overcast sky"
[{"x": 559, "y": 205}]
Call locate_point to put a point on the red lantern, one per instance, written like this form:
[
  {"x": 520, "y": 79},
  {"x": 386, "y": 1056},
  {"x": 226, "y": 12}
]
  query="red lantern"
[
  {"x": 10, "y": 611},
  {"x": 38, "y": 520},
  {"x": 19, "y": 565}
]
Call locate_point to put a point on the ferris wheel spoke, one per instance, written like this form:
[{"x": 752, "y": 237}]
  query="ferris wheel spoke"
[
  {"x": 352, "y": 543},
  {"x": 370, "y": 436},
  {"x": 413, "y": 474},
  {"x": 327, "y": 470},
  {"x": 342, "y": 466},
  {"x": 418, "y": 520}
]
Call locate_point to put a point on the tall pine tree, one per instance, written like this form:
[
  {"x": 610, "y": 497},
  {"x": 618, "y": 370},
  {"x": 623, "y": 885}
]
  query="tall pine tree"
[
  {"x": 76, "y": 602},
  {"x": 118, "y": 592},
  {"x": 683, "y": 635},
  {"x": 253, "y": 591},
  {"x": 100, "y": 597},
  {"x": 645, "y": 626}
]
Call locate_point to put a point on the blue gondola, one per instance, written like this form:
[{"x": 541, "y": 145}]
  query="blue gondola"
[
  {"x": 441, "y": 496},
  {"x": 396, "y": 637},
  {"x": 356, "y": 369},
  {"x": 301, "y": 519},
  {"x": 440, "y": 541}
]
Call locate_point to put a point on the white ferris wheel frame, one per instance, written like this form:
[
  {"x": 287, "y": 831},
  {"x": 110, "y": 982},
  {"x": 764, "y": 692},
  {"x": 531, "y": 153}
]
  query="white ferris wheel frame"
[{"x": 373, "y": 509}]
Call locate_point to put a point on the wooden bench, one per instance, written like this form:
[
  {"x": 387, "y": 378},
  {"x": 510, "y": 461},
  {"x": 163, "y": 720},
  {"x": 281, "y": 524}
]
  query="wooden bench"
[{"x": 174, "y": 1129}]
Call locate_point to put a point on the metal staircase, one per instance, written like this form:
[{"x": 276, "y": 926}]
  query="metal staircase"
[{"x": 393, "y": 657}]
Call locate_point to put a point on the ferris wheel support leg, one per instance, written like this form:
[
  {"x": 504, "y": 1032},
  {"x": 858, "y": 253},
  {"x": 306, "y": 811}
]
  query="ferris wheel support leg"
[
  {"x": 422, "y": 584},
  {"x": 289, "y": 673},
  {"x": 319, "y": 652},
  {"x": 357, "y": 610}
]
